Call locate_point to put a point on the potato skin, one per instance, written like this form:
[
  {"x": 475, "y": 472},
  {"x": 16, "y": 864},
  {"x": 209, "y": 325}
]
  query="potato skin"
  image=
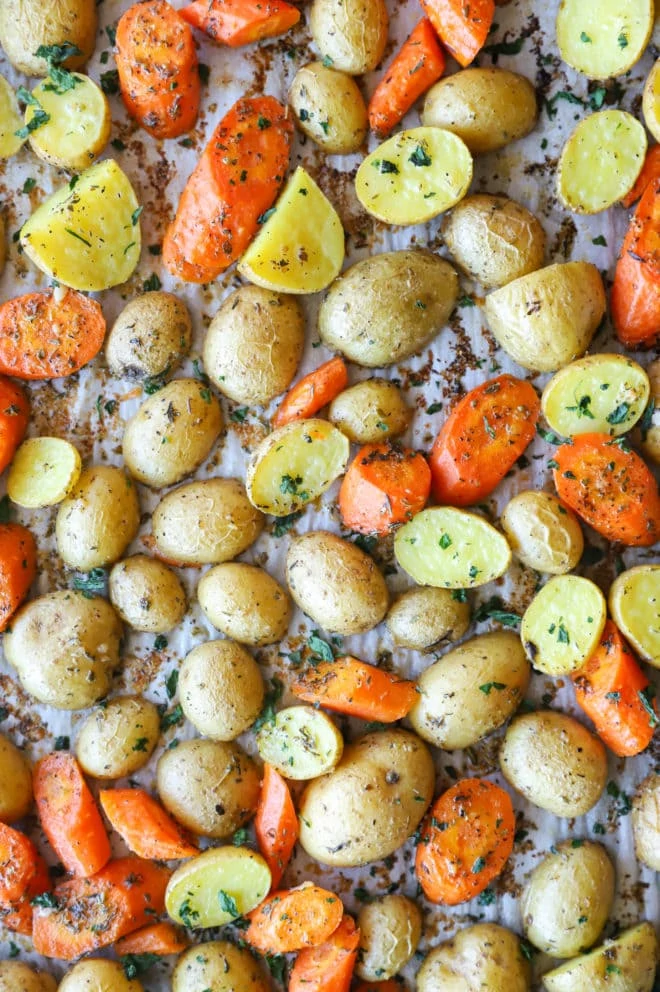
[
  {"x": 390, "y": 931},
  {"x": 27, "y": 24},
  {"x": 98, "y": 519},
  {"x": 484, "y": 956},
  {"x": 329, "y": 108},
  {"x": 220, "y": 966},
  {"x": 119, "y": 738},
  {"x": 650, "y": 444},
  {"x": 353, "y": 33},
  {"x": 633, "y": 954},
  {"x": 149, "y": 337},
  {"x": 425, "y": 615},
  {"x": 388, "y": 307},
  {"x": 245, "y": 603},
  {"x": 366, "y": 808},
  {"x": 370, "y": 411},
  {"x": 335, "y": 583},
  {"x": 147, "y": 594},
  {"x": 15, "y": 783},
  {"x": 254, "y": 344},
  {"x": 221, "y": 689},
  {"x": 646, "y": 821},
  {"x": 97, "y": 975},
  {"x": 543, "y": 533},
  {"x": 493, "y": 239},
  {"x": 15, "y": 976}
]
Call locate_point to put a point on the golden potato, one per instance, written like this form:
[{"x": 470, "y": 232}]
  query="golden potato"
[
  {"x": 27, "y": 24},
  {"x": 485, "y": 956},
  {"x": 543, "y": 533},
  {"x": 119, "y": 737},
  {"x": 390, "y": 930},
  {"x": 300, "y": 743},
  {"x": 634, "y": 601},
  {"x": 98, "y": 519},
  {"x": 220, "y": 966},
  {"x": 15, "y": 782},
  {"x": 627, "y": 964},
  {"x": 149, "y": 337},
  {"x": 329, "y": 108},
  {"x": 245, "y": 603},
  {"x": 650, "y": 439},
  {"x": 603, "y": 38},
  {"x": 352, "y": 34},
  {"x": 15, "y": 976},
  {"x": 192, "y": 892},
  {"x": 98, "y": 975},
  {"x": 370, "y": 411},
  {"x": 646, "y": 821},
  {"x": 147, "y": 594},
  {"x": 221, "y": 689},
  {"x": 651, "y": 100},
  {"x": 425, "y": 615},
  {"x": 79, "y": 124}
]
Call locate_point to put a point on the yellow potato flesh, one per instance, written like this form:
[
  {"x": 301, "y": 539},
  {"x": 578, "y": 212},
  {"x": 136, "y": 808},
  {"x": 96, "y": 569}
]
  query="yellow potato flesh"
[
  {"x": 602, "y": 393},
  {"x": 10, "y": 121},
  {"x": 603, "y": 38},
  {"x": 43, "y": 472},
  {"x": 204, "y": 891},
  {"x": 79, "y": 125},
  {"x": 563, "y": 623},
  {"x": 635, "y": 605},
  {"x": 651, "y": 101},
  {"x": 301, "y": 743}
]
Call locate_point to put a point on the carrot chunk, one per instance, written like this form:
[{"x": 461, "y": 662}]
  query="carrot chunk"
[
  {"x": 18, "y": 568},
  {"x": 144, "y": 826},
  {"x": 291, "y": 919},
  {"x": 241, "y": 22},
  {"x": 276, "y": 823},
  {"x": 418, "y": 64},
  {"x": 462, "y": 27},
  {"x": 312, "y": 392},
  {"x": 350, "y": 686},
  {"x": 14, "y": 418},
  {"x": 328, "y": 967},
  {"x": 385, "y": 485}
]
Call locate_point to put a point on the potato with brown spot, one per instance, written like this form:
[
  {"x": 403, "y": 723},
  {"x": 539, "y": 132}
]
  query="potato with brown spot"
[{"x": 150, "y": 336}]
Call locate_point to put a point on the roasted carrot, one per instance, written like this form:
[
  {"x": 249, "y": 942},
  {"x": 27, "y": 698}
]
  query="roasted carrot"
[
  {"x": 350, "y": 686},
  {"x": 235, "y": 181},
  {"x": 158, "y": 71},
  {"x": 23, "y": 876},
  {"x": 69, "y": 815},
  {"x": 650, "y": 171},
  {"x": 291, "y": 919},
  {"x": 466, "y": 841},
  {"x": 462, "y": 27},
  {"x": 14, "y": 417},
  {"x": 276, "y": 823},
  {"x": 482, "y": 438},
  {"x": 144, "y": 826},
  {"x": 89, "y": 913},
  {"x": 162, "y": 939},
  {"x": 49, "y": 335},
  {"x": 312, "y": 392},
  {"x": 18, "y": 568},
  {"x": 418, "y": 64},
  {"x": 240, "y": 22},
  {"x": 385, "y": 485},
  {"x": 328, "y": 967},
  {"x": 635, "y": 299},
  {"x": 610, "y": 487}
]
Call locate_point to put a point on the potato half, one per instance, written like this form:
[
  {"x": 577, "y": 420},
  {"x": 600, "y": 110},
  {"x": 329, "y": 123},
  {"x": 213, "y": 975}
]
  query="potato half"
[
  {"x": 627, "y": 964},
  {"x": 634, "y": 601},
  {"x": 192, "y": 895},
  {"x": 603, "y": 38},
  {"x": 562, "y": 625},
  {"x": 10, "y": 120},
  {"x": 79, "y": 126}
]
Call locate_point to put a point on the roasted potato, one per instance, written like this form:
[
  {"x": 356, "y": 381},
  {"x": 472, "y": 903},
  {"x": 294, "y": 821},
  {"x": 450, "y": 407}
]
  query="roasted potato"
[
  {"x": 627, "y": 964},
  {"x": 651, "y": 100},
  {"x": 424, "y": 616},
  {"x": 562, "y": 625},
  {"x": 606, "y": 38},
  {"x": 79, "y": 123},
  {"x": 10, "y": 122},
  {"x": 646, "y": 821},
  {"x": 371, "y": 411},
  {"x": 15, "y": 976},
  {"x": 147, "y": 594},
  {"x": 118, "y": 738},
  {"x": 221, "y": 689},
  {"x": 300, "y": 743},
  {"x": 43, "y": 471},
  {"x": 192, "y": 892},
  {"x": 97, "y": 975},
  {"x": 220, "y": 966},
  {"x": 650, "y": 435},
  {"x": 15, "y": 784},
  {"x": 484, "y": 956},
  {"x": 25, "y": 25},
  {"x": 245, "y": 603},
  {"x": 351, "y": 34},
  {"x": 98, "y": 519},
  {"x": 543, "y": 533},
  {"x": 149, "y": 337},
  {"x": 634, "y": 602},
  {"x": 390, "y": 931},
  {"x": 329, "y": 108}
]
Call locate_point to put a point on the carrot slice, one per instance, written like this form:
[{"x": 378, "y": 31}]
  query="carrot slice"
[
  {"x": 18, "y": 568},
  {"x": 385, "y": 485},
  {"x": 462, "y": 27},
  {"x": 350, "y": 686},
  {"x": 328, "y": 967},
  {"x": 49, "y": 335},
  {"x": 291, "y": 919},
  {"x": 69, "y": 815},
  {"x": 650, "y": 172},
  {"x": 466, "y": 842},
  {"x": 635, "y": 299},
  {"x": 23, "y": 875},
  {"x": 162, "y": 939},
  {"x": 157, "y": 66},
  {"x": 235, "y": 181},
  {"x": 14, "y": 418},
  {"x": 276, "y": 823},
  {"x": 610, "y": 487},
  {"x": 313, "y": 392},
  {"x": 240, "y": 22},
  {"x": 418, "y": 64},
  {"x": 144, "y": 826}
]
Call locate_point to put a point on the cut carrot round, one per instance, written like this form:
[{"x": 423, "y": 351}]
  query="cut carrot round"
[
  {"x": 18, "y": 568},
  {"x": 14, "y": 418},
  {"x": 328, "y": 967},
  {"x": 241, "y": 22},
  {"x": 313, "y": 392},
  {"x": 292, "y": 919},
  {"x": 276, "y": 823},
  {"x": 462, "y": 27},
  {"x": 23, "y": 875},
  {"x": 350, "y": 686},
  {"x": 144, "y": 826},
  {"x": 385, "y": 485}
]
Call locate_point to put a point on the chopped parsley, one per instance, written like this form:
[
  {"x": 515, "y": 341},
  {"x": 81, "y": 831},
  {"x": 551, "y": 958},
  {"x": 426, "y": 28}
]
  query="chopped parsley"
[
  {"x": 619, "y": 415},
  {"x": 419, "y": 157},
  {"x": 137, "y": 964},
  {"x": 228, "y": 903}
]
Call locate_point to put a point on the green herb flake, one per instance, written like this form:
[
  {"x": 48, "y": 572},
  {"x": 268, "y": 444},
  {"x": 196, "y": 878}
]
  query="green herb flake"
[
  {"x": 151, "y": 285},
  {"x": 478, "y": 866},
  {"x": 384, "y": 166},
  {"x": 619, "y": 415},
  {"x": 171, "y": 683},
  {"x": 420, "y": 158},
  {"x": 62, "y": 743},
  {"x": 110, "y": 82},
  {"x": 46, "y": 900},
  {"x": 263, "y": 123},
  {"x": 283, "y": 525},
  {"x": 320, "y": 648},
  {"x": 160, "y": 643},
  {"x": 92, "y": 583},
  {"x": 271, "y": 700},
  {"x": 445, "y": 542},
  {"x": 137, "y": 964},
  {"x": 204, "y": 72},
  {"x": 29, "y": 185},
  {"x": 623, "y": 40},
  {"x": 582, "y": 408},
  {"x": 187, "y": 914},
  {"x": 173, "y": 718},
  {"x": 488, "y": 686},
  {"x": 646, "y": 698},
  {"x": 240, "y": 837},
  {"x": 600, "y": 241},
  {"x": 5, "y": 510},
  {"x": 584, "y": 38},
  {"x": 228, "y": 903}
]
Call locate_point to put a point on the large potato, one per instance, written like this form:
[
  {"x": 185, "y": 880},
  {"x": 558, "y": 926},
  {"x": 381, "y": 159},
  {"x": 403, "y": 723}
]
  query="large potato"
[
  {"x": 543, "y": 533},
  {"x": 221, "y": 689},
  {"x": 149, "y": 337},
  {"x": 390, "y": 930},
  {"x": 335, "y": 583},
  {"x": 172, "y": 433},
  {"x": 352, "y": 34},
  {"x": 119, "y": 737},
  {"x": 15, "y": 782},
  {"x": 245, "y": 603},
  {"x": 98, "y": 519},
  {"x": 15, "y": 976},
  {"x": 65, "y": 648},
  {"x": 98, "y": 975},
  {"x": 646, "y": 821},
  {"x": 220, "y": 966},
  {"x": 627, "y": 964},
  {"x": 370, "y": 804},
  {"x": 471, "y": 690},
  {"x": 423, "y": 616},
  {"x": 370, "y": 411},
  {"x": 147, "y": 594},
  {"x": 27, "y": 24},
  {"x": 388, "y": 307},
  {"x": 485, "y": 956},
  {"x": 329, "y": 108}
]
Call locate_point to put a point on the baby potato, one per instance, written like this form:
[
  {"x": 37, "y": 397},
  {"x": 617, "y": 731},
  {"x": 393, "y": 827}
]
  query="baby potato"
[
  {"x": 487, "y": 108},
  {"x": 543, "y": 533},
  {"x": 206, "y": 523},
  {"x": 483, "y": 956},
  {"x": 390, "y": 930},
  {"x": 352, "y": 34},
  {"x": 493, "y": 239},
  {"x": 627, "y": 964},
  {"x": 245, "y": 603},
  {"x": 10, "y": 123},
  {"x": 604, "y": 38},
  {"x": 221, "y": 689},
  {"x": 15, "y": 976},
  {"x": 192, "y": 891},
  {"x": 118, "y": 738},
  {"x": 423, "y": 616},
  {"x": 98, "y": 975},
  {"x": 370, "y": 411},
  {"x": 220, "y": 966},
  {"x": 172, "y": 433},
  {"x": 562, "y": 625},
  {"x": 25, "y": 25},
  {"x": 43, "y": 471},
  {"x": 646, "y": 821},
  {"x": 568, "y": 899},
  {"x": 300, "y": 743},
  {"x": 79, "y": 124},
  {"x": 149, "y": 337},
  {"x": 210, "y": 787},
  {"x": 634, "y": 602},
  {"x": 554, "y": 762},
  {"x": 329, "y": 108},
  {"x": 98, "y": 519},
  {"x": 15, "y": 784},
  {"x": 650, "y": 435},
  {"x": 147, "y": 594},
  {"x": 254, "y": 344},
  {"x": 651, "y": 100}
]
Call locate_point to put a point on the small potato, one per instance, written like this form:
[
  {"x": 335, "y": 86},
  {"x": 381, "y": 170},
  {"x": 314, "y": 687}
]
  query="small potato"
[
  {"x": 370, "y": 411},
  {"x": 650, "y": 439},
  {"x": 172, "y": 433},
  {"x": 300, "y": 743},
  {"x": 221, "y": 689},
  {"x": 634, "y": 602},
  {"x": 390, "y": 930},
  {"x": 245, "y": 603},
  {"x": 79, "y": 124},
  {"x": 147, "y": 594},
  {"x": 562, "y": 625},
  {"x": 651, "y": 100},
  {"x": 554, "y": 762},
  {"x": 98, "y": 519},
  {"x": 646, "y": 821},
  {"x": 27, "y": 24},
  {"x": 627, "y": 964},
  {"x": 350, "y": 33},
  {"x": 15, "y": 783},
  {"x": 220, "y": 966},
  {"x": 254, "y": 344},
  {"x": 493, "y": 239},
  {"x": 335, "y": 583},
  {"x": 423, "y": 616},
  {"x": 118, "y": 738},
  {"x": 206, "y": 523},
  {"x": 43, "y": 472},
  {"x": 568, "y": 899},
  {"x": 98, "y": 975},
  {"x": 18, "y": 977},
  {"x": 192, "y": 891},
  {"x": 149, "y": 337},
  {"x": 543, "y": 533},
  {"x": 210, "y": 787},
  {"x": 329, "y": 108},
  {"x": 485, "y": 956},
  {"x": 10, "y": 123}
]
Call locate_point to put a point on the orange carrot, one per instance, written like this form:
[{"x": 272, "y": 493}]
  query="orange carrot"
[
  {"x": 466, "y": 842},
  {"x": 240, "y": 22},
  {"x": 610, "y": 487},
  {"x": 635, "y": 299},
  {"x": 385, "y": 485},
  {"x": 418, "y": 64},
  {"x": 313, "y": 391},
  {"x": 69, "y": 815},
  {"x": 18, "y": 568},
  {"x": 650, "y": 171},
  {"x": 162, "y": 939},
  {"x": 328, "y": 967},
  {"x": 462, "y": 27},
  {"x": 14, "y": 417},
  {"x": 144, "y": 826},
  {"x": 235, "y": 181},
  {"x": 276, "y": 823},
  {"x": 482, "y": 438},
  {"x": 89, "y": 913},
  {"x": 614, "y": 693},
  {"x": 291, "y": 919},
  {"x": 45, "y": 335},
  {"x": 158, "y": 72},
  {"x": 350, "y": 686},
  {"x": 23, "y": 876}
]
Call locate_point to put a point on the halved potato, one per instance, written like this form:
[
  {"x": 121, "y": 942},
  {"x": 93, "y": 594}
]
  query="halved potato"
[
  {"x": 603, "y": 38},
  {"x": 300, "y": 743},
  {"x": 603, "y": 393},
  {"x": 300, "y": 247},
  {"x": 635, "y": 605},
  {"x": 43, "y": 472},
  {"x": 10, "y": 121},
  {"x": 626, "y": 964},
  {"x": 414, "y": 176},
  {"x": 79, "y": 126},
  {"x": 563, "y": 623},
  {"x": 651, "y": 100},
  {"x": 217, "y": 886}
]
